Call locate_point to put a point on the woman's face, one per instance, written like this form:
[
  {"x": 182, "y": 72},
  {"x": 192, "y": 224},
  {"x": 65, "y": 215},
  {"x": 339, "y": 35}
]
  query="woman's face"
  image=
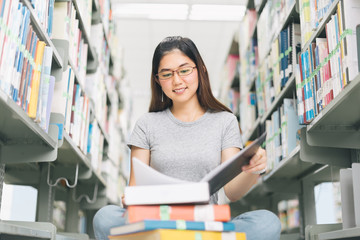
[{"x": 180, "y": 89}]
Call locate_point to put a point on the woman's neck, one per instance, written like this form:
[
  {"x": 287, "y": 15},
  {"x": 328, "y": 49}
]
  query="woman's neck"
[{"x": 187, "y": 112}]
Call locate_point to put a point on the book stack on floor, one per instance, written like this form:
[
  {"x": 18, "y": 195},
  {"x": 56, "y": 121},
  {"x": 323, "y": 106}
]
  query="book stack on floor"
[{"x": 171, "y": 222}]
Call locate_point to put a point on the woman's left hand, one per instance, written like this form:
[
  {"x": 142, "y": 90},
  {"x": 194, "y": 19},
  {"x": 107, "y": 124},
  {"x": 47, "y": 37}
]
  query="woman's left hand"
[{"x": 258, "y": 163}]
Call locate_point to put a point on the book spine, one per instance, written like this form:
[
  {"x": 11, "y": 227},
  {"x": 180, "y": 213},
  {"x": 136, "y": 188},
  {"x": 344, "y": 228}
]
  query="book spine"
[
  {"x": 36, "y": 79},
  {"x": 189, "y": 213}
]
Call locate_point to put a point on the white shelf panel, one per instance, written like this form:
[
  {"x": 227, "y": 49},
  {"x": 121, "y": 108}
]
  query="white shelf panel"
[
  {"x": 15, "y": 229},
  {"x": 341, "y": 234}
]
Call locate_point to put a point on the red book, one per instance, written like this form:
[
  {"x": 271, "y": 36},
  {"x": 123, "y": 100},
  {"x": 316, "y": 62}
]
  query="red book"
[{"x": 206, "y": 212}]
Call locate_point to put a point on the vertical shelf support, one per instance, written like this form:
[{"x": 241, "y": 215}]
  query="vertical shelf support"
[
  {"x": 2, "y": 176},
  {"x": 46, "y": 196},
  {"x": 72, "y": 211}
]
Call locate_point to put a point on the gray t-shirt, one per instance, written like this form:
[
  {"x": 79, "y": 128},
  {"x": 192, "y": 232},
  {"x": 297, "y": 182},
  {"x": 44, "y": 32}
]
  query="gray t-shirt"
[{"x": 186, "y": 150}]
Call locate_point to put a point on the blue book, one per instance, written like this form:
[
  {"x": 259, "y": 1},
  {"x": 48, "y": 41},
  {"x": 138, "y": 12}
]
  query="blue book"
[
  {"x": 313, "y": 79},
  {"x": 50, "y": 18},
  {"x": 306, "y": 95},
  {"x": 147, "y": 225},
  {"x": 284, "y": 63},
  {"x": 309, "y": 96}
]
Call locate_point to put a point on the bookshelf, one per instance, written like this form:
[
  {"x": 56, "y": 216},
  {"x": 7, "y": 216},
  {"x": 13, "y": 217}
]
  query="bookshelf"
[
  {"x": 27, "y": 230},
  {"x": 340, "y": 234},
  {"x": 326, "y": 144},
  {"x": 336, "y": 125},
  {"x": 52, "y": 161}
]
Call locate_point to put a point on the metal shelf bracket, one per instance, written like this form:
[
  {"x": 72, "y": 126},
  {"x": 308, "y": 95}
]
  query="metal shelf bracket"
[{"x": 63, "y": 178}]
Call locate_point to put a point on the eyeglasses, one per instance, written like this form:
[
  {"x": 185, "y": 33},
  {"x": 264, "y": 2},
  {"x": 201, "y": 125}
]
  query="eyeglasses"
[{"x": 183, "y": 71}]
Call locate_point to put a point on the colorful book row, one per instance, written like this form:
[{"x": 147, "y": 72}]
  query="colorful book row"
[
  {"x": 67, "y": 28},
  {"x": 25, "y": 63},
  {"x": 282, "y": 133},
  {"x": 277, "y": 67},
  {"x": 329, "y": 64}
]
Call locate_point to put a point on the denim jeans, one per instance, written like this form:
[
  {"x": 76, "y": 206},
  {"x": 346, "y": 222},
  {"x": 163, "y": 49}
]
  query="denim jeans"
[{"x": 258, "y": 224}]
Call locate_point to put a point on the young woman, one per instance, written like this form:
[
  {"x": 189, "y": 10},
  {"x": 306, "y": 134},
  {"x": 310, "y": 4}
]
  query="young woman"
[{"x": 187, "y": 133}]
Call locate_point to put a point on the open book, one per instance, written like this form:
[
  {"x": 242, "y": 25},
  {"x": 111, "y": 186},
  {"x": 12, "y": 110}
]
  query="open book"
[{"x": 153, "y": 187}]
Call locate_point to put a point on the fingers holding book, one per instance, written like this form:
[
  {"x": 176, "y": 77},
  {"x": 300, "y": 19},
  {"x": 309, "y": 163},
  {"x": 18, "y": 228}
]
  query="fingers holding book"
[{"x": 257, "y": 164}]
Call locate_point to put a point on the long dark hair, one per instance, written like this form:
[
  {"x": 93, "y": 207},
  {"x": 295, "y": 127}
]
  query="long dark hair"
[{"x": 185, "y": 45}]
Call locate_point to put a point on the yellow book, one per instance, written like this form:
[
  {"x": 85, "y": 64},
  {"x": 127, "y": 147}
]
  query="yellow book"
[
  {"x": 35, "y": 83},
  {"x": 173, "y": 234},
  {"x": 342, "y": 53}
]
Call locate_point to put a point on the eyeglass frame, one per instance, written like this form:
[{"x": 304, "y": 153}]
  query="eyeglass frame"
[{"x": 176, "y": 70}]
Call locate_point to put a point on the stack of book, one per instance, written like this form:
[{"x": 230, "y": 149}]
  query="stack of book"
[
  {"x": 164, "y": 208},
  {"x": 171, "y": 222}
]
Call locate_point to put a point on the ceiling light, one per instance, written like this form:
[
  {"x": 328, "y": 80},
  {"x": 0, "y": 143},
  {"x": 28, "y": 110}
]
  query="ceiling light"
[
  {"x": 217, "y": 12},
  {"x": 151, "y": 11}
]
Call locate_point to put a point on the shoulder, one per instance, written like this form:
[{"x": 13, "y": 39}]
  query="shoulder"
[
  {"x": 223, "y": 116},
  {"x": 150, "y": 117}
]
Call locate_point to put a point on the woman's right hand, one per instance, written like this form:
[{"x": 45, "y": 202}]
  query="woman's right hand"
[{"x": 123, "y": 201}]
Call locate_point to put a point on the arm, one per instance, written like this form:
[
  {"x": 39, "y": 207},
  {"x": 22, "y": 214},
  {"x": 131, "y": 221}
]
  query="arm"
[
  {"x": 141, "y": 154},
  {"x": 241, "y": 184}
]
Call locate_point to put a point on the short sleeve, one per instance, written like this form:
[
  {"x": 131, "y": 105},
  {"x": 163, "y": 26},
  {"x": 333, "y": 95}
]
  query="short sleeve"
[
  {"x": 231, "y": 135},
  {"x": 139, "y": 136}
]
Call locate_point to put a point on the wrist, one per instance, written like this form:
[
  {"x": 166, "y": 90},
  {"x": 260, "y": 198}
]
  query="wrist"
[{"x": 260, "y": 172}]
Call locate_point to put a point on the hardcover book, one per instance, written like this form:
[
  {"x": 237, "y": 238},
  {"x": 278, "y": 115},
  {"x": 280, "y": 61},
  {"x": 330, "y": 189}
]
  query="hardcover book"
[
  {"x": 207, "y": 212},
  {"x": 148, "y": 225},
  {"x": 153, "y": 187},
  {"x": 173, "y": 234}
]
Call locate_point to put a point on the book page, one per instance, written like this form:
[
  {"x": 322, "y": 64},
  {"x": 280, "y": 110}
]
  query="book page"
[
  {"x": 146, "y": 175},
  {"x": 217, "y": 178}
]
